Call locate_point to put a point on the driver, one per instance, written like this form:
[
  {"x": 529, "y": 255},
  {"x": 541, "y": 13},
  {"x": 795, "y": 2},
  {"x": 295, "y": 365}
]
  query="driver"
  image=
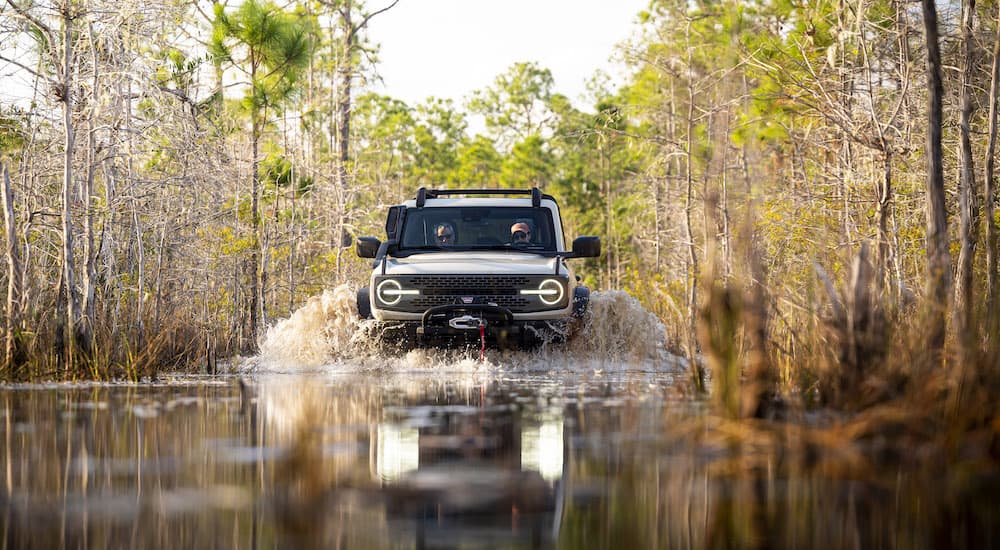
[
  {"x": 444, "y": 233},
  {"x": 520, "y": 233}
]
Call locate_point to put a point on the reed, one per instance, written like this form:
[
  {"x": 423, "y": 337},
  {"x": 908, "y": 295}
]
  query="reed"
[
  {"x": 859, "y": 361},
  {"x": 118, "y": 351}
]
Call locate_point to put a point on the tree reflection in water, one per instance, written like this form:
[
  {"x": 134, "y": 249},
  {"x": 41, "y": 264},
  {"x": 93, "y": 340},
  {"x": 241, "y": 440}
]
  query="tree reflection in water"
[{"x": 443, "y": 460}]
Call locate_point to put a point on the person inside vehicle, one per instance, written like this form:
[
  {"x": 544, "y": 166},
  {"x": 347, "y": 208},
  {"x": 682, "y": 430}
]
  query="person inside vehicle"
[
  {"x": 520, "y": 233},
  {"x": 444, "y": 234}
]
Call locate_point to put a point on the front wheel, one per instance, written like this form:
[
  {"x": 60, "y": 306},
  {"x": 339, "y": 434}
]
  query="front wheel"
[
  {"x": 364, "y": 303},
  {"x": 581, "y": 301}
]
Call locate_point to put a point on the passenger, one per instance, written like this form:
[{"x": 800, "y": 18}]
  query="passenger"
[
  {"x": 445, "y": 234},
  {"x": 520, "y": 233}
]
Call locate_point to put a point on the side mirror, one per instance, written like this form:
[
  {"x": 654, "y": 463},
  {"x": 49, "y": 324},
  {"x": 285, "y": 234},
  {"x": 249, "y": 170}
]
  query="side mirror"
[
  {"x": 368, "y": 247},
  {"x": 586, "y": 247}
]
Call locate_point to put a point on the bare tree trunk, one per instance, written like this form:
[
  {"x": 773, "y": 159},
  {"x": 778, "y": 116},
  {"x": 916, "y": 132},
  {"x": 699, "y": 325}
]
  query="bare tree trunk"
[
  {"x": 988, "y": 188},
  {"x": 72, "y": 305},
  {"x": 938, "y": 257},
  {"x": 657, "y": 224},
  {"x": 111, "y": 180},
  {"x": 967, "y": 199},
  {"x": 89, "y": 253},
  {"x": 727, "y": 256},
  {"x": 158, "y": 277},
  {"x": 140, "y": 305},
  {"x": 239, "y": 321},
  {"x": 883, "y": 213},
  {"x": 257, "y": 283},
  {"x": 292, "y": 248},
  {"x": 12, "y": 321},
  {"x": 345, "y": 74},
  {"x": 334, "y": 170},
  {"x": 693, "y": 276},
  {"x": 760, "y": 395},
  {"x": 256, "y": 254},
  {"x": 140, "y": 282},
  {"x": 345, "y": 71},
  {"x": 611, "y": 256},
  {"x": 846, "y": 165}
]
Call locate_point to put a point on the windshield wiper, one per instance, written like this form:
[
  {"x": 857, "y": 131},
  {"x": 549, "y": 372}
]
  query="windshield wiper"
[
  {"x": 420, "y": 249},
  {"x": 526, "y": 248},
  {"x": 402, "y": 252}
]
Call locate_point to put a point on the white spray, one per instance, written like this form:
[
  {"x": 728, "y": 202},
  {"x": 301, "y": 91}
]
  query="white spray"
[
  {"x": 317, "y": 333},
  {"x": 326, "y": 330}
]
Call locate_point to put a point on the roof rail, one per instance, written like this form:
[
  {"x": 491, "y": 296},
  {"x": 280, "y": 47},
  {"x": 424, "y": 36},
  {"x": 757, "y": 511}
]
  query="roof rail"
[{"x": 536, "y": 195}]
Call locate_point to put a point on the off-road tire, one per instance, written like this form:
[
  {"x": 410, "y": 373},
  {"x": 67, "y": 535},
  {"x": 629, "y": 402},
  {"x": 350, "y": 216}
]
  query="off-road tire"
[
  {"x": 581, "y": 301},
  {"x": 364, "y": 303}
]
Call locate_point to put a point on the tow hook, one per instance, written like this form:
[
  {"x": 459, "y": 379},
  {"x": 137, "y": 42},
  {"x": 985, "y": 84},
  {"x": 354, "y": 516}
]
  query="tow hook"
[{"x": 466, "y": 322}]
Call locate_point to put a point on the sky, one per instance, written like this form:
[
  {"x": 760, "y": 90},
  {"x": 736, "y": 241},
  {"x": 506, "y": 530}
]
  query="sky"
[{"x": 448, "y": 48}]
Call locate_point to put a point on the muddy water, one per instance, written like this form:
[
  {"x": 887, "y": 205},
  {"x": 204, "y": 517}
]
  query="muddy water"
[{"x": 321, "y": 443}]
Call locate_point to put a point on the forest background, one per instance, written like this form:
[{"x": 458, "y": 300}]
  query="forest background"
[{"x": 775, "y": 181}]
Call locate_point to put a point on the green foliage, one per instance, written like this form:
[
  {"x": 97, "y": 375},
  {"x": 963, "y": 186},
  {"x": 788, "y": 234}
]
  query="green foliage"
[
  {"x": 529, "y": 164},
  {"x": 175, "y": 69},
  {"x": 439, "y": 135},
  {"x": 516, "y": 106},
  {"x": 478, "y": 164},
  {"x": 271, "y": 47},
  {"x": 383, "y": 129},
  {"x": 13, "y": 130},
  {"x": 276, "y": 171}
]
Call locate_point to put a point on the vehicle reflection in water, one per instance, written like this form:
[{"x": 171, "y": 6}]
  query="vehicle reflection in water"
[
  {"x": 455, "y": 469},
  {"x": 542, "y": 446},
  {"x": 441, "y": 459},
  {"x": 398, "y": 451}
]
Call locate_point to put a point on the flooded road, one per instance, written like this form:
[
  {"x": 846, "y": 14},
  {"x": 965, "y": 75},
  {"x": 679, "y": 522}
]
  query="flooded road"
[{"x": 563, "y": 447}]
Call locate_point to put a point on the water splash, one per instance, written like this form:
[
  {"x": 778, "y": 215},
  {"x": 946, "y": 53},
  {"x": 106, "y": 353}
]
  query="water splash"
[
  {"x": 617, "y": 328},
  {"x": 326, "y": 332},
  {"x": 316, "y": 334}
]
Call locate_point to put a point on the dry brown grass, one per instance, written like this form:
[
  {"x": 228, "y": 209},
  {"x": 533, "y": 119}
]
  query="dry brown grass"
[{"x": 862, "y": 364}]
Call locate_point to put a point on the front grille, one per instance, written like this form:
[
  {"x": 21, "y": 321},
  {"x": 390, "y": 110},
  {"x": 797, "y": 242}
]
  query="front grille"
[
  {"x": 471, "y": 283},
  {"x": 513, "y": 303},
  {"x": 502, "y": 290}
]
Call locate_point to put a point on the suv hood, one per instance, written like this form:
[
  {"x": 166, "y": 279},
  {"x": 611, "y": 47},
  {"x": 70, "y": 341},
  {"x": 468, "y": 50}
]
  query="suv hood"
[{"x": 472, "y": 263}]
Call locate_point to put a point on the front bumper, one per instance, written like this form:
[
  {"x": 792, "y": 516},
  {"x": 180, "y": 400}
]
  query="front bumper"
[
  {"x": 404, "y": 297},
  {"x": 459, "y": 324}
]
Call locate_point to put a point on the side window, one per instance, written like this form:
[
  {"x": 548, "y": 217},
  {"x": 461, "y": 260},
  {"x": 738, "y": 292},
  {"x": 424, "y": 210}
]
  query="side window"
[{"x": 415, "y": 231}]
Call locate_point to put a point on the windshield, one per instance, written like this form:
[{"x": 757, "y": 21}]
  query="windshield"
[{"x": 478, "y": 227}]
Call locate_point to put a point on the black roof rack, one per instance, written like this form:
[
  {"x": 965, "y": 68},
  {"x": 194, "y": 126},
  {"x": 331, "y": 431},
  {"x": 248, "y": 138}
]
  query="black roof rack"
[{"x": 536, "y": 195}]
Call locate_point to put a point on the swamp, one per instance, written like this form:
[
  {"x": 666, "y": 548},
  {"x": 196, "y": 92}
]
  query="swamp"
[
  {"x": 793, "y": 339},
  {"x": 556, "y": 448}
]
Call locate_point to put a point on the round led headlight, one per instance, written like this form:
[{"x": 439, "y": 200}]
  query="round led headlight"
[
  {"x": 390, "y": 292},
  {"x": 550, "y": 292}
]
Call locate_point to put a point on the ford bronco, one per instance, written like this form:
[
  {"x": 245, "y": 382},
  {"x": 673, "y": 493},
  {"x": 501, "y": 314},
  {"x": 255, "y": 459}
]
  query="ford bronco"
[{"x": 474, "y": 264}]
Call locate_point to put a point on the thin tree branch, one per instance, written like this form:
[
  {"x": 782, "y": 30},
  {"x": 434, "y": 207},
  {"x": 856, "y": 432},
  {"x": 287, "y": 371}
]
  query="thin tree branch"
[
  {"x": 364, "y": 21},
  {"x": 22, "y": 66},
  {"x": 38, "y": 24}
]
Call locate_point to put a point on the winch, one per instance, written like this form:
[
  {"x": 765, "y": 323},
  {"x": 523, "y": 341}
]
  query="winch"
[{"x": 467, "y": 322}]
